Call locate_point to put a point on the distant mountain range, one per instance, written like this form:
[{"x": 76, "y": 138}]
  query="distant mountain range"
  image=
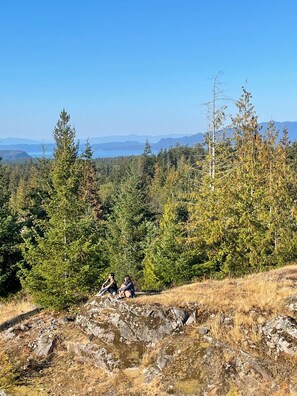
[
  {"x": 113, "y": 146},
  {"x": 95, "y": 140},
  {"x": 291, "y": 126},
  {"x": 121, "y": 147}
]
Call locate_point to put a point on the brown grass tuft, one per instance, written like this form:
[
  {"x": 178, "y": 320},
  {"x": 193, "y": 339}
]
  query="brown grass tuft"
[{"x": 15, "y": 307}]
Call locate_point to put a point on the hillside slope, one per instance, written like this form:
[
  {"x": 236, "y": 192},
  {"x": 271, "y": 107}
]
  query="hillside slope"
[{"x": 231, "y": 337}]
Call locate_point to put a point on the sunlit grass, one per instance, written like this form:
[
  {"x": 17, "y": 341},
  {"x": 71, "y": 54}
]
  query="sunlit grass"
[
  {"x": 17, "y": 306},
  {"x": 263, "y": 291}
]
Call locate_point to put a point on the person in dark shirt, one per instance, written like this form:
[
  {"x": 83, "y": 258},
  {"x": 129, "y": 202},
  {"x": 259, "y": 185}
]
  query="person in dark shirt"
[
  {"x": 110, "y": 286},
  {"x": 127, "y": 288}
]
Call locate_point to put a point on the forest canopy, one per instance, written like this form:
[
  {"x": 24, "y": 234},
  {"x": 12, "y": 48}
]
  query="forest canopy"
[{"x": 225, "y": 207}]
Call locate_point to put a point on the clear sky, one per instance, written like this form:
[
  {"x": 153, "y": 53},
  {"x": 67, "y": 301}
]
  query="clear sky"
[{"x": 141, "y": 66}]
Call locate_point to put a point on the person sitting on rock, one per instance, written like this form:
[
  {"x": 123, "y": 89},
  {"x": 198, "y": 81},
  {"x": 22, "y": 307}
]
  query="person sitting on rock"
[
  {"x": 127, "y": 288},
  {"x": 110, "y": 286}
]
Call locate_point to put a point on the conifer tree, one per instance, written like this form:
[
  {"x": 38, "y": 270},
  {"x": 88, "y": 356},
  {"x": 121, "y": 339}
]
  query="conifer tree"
[
  {"x": 167, "y": 260},
  {"x": 29, "y": 200},
  {"x": 244, "y": 220},
  {"x": 207, "y": 201},
  {"x": 259, "y": 187},
  {"x": 9, "y": 241},
  {"x": 279, "y": 208},
  {"x": 67, "y": 260},
  {"x": 147, "y": 161},
  {"x": 89, "y": 184},
  {"x": 127, "y": 227}
]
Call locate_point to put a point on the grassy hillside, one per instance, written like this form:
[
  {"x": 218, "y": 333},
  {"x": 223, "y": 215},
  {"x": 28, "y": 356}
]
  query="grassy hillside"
[{"x": 262, "y": 291}]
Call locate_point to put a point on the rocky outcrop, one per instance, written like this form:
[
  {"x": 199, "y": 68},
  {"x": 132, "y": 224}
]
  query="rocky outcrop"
[
  {"x": 118, "y": 323},
  {"x": 208, "y": 368},
  {"x": 177, "y": 350}
]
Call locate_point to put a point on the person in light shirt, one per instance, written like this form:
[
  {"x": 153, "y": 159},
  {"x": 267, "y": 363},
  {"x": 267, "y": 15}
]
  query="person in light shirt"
[{"x": 127, "y": 288}]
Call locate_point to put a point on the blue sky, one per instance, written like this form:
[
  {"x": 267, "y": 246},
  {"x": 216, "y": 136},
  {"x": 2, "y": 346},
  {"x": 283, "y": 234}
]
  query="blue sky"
[{"x": 141, "y": 66}]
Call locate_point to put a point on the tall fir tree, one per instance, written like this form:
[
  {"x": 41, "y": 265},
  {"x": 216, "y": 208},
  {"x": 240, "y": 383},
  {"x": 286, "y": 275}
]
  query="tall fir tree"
[
  {"x": 147, "y": 163},
  {"x": 67, "y": 260},
  {"x": 89, "y": 184}
]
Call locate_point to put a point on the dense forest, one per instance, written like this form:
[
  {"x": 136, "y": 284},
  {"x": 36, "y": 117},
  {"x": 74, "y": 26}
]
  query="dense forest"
[{"x": 223, "y": 208}]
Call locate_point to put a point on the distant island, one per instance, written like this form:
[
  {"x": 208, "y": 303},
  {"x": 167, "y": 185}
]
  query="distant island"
[{"x": 14, "y": 155}]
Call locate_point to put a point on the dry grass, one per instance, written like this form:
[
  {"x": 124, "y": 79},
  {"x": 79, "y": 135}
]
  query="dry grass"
[
  {"x": 259, "y": 292},
  {"x": 15, "y": 307},
  {"x": 188, "y": 387},
  {"x": 235, "y": 308}
]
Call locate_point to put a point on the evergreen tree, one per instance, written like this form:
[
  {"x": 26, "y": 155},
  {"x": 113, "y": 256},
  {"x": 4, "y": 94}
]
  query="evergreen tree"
[
  {"x": 147, "y": 162},
  {"x": 127, "y": 227},
  {"x": 167, "y": 260},
  {"x": 279, "y": 208},
  {"x": 243, "y": 220},
  {"x": 207, "y": 201},
  {"x": 89, "y": 185},
  {"x": 9, "y": 241},
  {"x": 292, "y": 154},
  {"x": 260, "y": 187},
  {"x": 29, "y": 200},
  {"x": 67, "y": 260}
]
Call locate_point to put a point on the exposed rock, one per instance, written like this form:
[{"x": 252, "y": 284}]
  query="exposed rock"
[
  {"x": 208, "y": 368},
  {"x": 117, "y": 321},
  {"x": 203, "y": 330},
  {"x": 281, "y": 334},
  {"x": 91, "y": 353},
  {"x": 193, "y": 317},
  {"x": 162, "y": 361},
  {"x": 45, "y": 345},
  {"x": 24, "y": 327},
  {"x": 291, "y": 303},
  {"x": 150, "y": 373},
  {"x": 228, "y": 321},
  {"x": 128, "y": 329},
  {"x": 9, "y": 334}
]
